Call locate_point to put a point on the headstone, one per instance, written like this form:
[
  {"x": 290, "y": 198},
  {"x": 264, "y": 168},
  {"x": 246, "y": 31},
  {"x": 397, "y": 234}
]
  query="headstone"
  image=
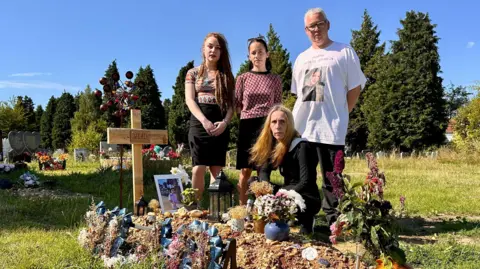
[
  {"x": 108, "y": 148},
  {"x": 80, "y": 155}
]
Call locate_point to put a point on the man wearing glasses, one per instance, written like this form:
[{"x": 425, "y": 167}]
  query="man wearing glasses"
[{"x": 323, "y": 121}]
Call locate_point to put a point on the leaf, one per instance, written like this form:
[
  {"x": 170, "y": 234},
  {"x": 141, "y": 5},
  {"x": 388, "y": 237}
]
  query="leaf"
[
  {"x": 350, "y": 217},
  {"x": 344, "y": 205},
  {"x": 374, "y": 236},
  {"x": 357, "y": 184}
]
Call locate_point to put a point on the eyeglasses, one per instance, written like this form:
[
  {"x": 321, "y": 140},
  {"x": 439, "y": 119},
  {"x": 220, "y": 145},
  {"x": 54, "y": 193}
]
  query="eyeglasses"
[
  {"x": 318, "y": 25},
  {"x": 259, "y": 37}
]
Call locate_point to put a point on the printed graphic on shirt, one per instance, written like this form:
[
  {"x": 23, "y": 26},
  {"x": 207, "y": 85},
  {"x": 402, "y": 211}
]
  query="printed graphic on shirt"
[{"x": 314, "y": 85}]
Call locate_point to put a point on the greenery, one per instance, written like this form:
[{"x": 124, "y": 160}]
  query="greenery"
[
  {"x": 365, "y": 42},
  {"x": 179, "y": 114},
  {"x": 467, "y": 122},
  {"x": 38, "y": 117},
  {"x": 11, "y": 117},
  {"x": 62, "y": 130},
  {"x": 153, "y": 112},
  {"x": 46, "y": 123},
  {"x": 43, "y": 230},
  {"x": 405, "y": 107}
]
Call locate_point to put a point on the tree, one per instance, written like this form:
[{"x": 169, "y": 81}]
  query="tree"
[
  {"x": 166, "y": 106},
  {"x": 46, "y": 123},
  {"x": 62, "y": 130},
  {"x": 87, "y": 112},
  {"x": 153, "y": 112},
  {"x": 365, "y": 43},
  {"x": 179, "y": 114},
  {"x": 467, "y": 125},
  {"x": 407, "y": 109},
  {"x": 455, "y": 97},
  {"x": 38, "y": 117},
  {"x": 11, "y": 117}
]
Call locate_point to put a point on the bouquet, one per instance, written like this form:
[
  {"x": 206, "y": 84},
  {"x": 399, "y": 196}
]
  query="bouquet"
[{"x": 276, "y": 207}]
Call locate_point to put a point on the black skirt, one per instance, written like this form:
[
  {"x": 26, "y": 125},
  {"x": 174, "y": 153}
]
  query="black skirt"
[
  {"x": 249, "y": 131},
  {"x": 207, "y": 149}
]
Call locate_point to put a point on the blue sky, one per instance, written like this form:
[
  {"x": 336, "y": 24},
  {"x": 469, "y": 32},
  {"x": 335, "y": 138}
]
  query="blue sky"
[{"x": 48, "y": 46}]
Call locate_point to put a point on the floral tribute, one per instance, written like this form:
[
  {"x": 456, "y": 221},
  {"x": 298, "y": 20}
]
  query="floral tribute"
[
  {"x": 155, "y": 152},
  {"x": 281, "y": 206},
  {"x": 47, "y": 162},
  {"x": 364, "y": 214}
]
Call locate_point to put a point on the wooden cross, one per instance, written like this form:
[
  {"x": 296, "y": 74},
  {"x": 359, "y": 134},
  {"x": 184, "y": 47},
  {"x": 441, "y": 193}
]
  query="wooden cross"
[{"x": 137, "y": 137}]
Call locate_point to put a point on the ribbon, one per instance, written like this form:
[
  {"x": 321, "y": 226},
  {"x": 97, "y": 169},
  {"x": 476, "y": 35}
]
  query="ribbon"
[{"x": 125, "y": 225}]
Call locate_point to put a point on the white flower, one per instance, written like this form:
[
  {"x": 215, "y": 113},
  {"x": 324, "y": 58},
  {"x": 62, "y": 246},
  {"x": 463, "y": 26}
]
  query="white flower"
[
  {"x": 296, "y": 197},
  {"x": 110, "y": 149},
  {"x": 83, "y": 238},
  {"x": 174, "y": 170}
]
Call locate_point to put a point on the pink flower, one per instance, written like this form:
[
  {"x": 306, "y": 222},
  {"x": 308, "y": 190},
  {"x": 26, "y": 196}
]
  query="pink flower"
[
  {"x": 337, "y": 185},
  {"x": 333, "y": 239}
]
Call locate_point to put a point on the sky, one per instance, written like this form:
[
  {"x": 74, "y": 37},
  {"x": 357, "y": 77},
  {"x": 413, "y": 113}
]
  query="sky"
[{"x": 50, "y": 46}]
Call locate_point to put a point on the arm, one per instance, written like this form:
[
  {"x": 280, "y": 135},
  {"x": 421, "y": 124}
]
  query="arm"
[
  {"x": 220, "y": 126},
  {"x": 352, "y": 97},
  {"x": 307, "y": 166},
  {"x": 239, "y": 95}
]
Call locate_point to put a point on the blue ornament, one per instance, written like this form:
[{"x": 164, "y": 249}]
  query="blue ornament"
[{"x": 157, "y": 149}]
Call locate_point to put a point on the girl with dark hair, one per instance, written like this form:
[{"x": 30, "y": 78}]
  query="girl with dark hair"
[
  {"x": 209, "y": 94},
  {"x": 256, "y": 92}
]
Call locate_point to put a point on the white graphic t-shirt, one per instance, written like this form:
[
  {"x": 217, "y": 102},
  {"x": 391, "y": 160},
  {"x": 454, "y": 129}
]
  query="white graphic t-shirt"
[{"x": 321, "y": 79}]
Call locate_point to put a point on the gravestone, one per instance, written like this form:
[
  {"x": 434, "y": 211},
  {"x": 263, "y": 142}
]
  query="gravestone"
[
  {"x": 80, "y": 155},
  {"x": 23, "y": 142},
  {"x": 104, "y": 146}
]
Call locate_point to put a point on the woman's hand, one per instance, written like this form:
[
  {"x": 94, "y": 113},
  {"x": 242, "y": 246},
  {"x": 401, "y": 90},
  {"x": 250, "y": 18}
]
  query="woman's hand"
[
  {"x": 208, "y": 126},
  {"x": 220, "y": 127}
]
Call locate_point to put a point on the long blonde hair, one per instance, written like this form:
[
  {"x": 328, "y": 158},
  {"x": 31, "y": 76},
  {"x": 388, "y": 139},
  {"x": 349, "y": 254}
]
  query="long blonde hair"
[
  {"x": 224, "y": 81},
  {"x": 261, "y": 152}
]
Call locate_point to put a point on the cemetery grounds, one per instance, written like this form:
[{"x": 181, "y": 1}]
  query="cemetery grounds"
[{"x": 440, "y": 220}]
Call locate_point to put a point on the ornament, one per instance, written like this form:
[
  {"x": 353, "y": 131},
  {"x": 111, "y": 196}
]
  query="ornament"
[
  {"x": 116, "y": 77},
  {"x": 107, "y": 88},
  {"x": 129, "y": 74},
  {"x": 309, "y": 254},
  {"x": 103, "y": 107},
  {"x": 98, "y": 93},
  {"x": 128, "y": 83},
  {"x": 103, "y": 81}
]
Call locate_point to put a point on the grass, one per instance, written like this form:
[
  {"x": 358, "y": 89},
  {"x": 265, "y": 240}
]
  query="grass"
[{"x": 442, "y": 202}]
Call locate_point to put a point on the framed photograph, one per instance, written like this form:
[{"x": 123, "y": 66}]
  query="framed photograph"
[{"x": 169, "y": 190}]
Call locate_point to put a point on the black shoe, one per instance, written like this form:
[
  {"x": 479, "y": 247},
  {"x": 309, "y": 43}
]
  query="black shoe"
[{"x": 306, "y": 231}]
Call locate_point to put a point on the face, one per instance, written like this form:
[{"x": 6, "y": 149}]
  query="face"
[
  {"x": 278, "y": 124},
  {"x": 316, "y": 28},
  {"x": 258, "y": 55},
  {"x": 211, "y": 49},
  {"x": 315, "y": 78}
]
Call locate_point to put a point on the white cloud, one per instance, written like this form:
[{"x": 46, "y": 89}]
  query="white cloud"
[
  {"x": 8, "y": 84},
  {"x": 31, "y": 74},
  {"x": 470, "y": 44}
]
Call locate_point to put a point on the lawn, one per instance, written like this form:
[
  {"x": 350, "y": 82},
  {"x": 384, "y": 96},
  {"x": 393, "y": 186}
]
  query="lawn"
[{"x": 441, "y": 228}]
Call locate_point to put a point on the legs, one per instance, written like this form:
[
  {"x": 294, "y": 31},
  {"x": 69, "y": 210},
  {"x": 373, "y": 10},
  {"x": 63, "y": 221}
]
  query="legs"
[
  {"x": 326, "y": 155},
  {"x": 198, "y": 182},
  {"x": 242, "y": 186}
]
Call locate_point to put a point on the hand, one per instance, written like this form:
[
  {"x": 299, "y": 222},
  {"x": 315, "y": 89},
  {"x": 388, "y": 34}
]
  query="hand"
[
  {"x": 220, "y": 127},
  {"x": 208, "y": 126}
]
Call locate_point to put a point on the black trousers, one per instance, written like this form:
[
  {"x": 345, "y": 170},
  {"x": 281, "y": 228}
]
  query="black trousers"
[{"x": 326, "y": 157}]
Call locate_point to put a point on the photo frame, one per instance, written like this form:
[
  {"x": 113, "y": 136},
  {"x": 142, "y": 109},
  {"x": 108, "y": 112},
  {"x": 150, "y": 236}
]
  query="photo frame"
[{"x": 169, "y": 191}]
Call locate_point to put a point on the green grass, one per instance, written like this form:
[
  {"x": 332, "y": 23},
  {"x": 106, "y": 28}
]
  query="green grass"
[{"x": 41, "y": 232}]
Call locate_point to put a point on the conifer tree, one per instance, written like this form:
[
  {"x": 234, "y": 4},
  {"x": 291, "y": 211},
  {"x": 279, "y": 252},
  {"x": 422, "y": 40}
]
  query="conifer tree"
[
  {"x": 62, "y": 131},
  {"x": 46, "y": 123}
]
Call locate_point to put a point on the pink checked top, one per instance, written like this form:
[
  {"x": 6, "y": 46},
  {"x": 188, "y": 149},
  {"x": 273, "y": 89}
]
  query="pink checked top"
[{"x": 257, "y": 92}]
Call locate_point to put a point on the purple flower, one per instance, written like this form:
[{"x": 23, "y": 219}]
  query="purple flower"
[
  {"x": 339, "y": 163},
  {"x": 337, "y": 185}
]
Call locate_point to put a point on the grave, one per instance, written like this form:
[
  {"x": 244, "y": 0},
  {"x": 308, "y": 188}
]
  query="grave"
[
  {"x": 22, "y": 145},
  {"x": 80, "y": 155}
]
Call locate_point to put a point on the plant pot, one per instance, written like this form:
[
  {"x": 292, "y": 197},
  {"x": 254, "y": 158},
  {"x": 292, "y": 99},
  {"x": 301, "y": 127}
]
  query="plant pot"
[
  {"x": 259, "y": 226},
  {"x": 277, "y": 231},
  {"x": 64, "y": 164}
]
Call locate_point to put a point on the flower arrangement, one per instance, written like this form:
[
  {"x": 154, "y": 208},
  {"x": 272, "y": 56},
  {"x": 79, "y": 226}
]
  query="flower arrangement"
[
  {"x": 47, "y": 162},
  {"x": 276, "y": 207},
  {"x": 364, "y": 214},
  {"x": 154, "y": 152}
]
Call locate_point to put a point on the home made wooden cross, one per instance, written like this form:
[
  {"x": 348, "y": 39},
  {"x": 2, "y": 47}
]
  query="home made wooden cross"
[{"x": 136, "y": 136}]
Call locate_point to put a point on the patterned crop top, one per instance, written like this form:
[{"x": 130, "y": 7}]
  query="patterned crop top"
[{"x": 204, "y": 86}]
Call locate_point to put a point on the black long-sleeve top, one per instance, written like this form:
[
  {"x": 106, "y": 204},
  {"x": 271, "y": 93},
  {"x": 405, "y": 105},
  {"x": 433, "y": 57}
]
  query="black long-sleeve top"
[{"x": 299, "y": 170}]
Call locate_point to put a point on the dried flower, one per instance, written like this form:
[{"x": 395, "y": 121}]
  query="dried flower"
[
  {"x": 238, "y": 212},
  {"x": 154, "y": 205},
  {"x": 260, "y": 188}
]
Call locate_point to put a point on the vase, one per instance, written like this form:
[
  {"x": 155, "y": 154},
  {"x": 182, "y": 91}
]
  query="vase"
[
  {"x": 277, "y": 230},
  {"x": 259, "y": 226}
]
